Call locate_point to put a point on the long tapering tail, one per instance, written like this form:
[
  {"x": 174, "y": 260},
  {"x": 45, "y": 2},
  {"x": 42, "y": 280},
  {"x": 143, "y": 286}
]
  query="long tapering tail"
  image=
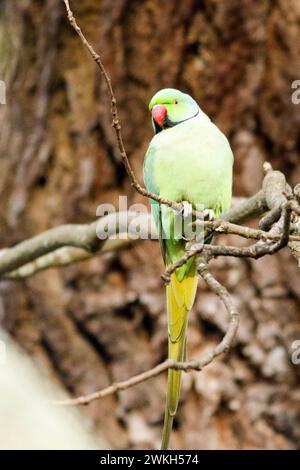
[{"x": 180, "y": 299}]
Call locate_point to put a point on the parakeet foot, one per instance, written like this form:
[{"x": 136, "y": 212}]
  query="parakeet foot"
[
  {"x": 187, "y": 213},
  {"x": 208, "y": 214},
  {"x": 187, "y": 209}
]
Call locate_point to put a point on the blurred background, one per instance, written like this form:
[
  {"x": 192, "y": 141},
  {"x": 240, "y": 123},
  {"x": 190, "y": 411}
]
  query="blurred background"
[{"x": 104, "y": 320}]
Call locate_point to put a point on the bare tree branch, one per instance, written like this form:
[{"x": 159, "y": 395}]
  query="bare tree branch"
[
  {"x": 248, "y": 209},
  {"x": 75, "y": 235},
  {"x": 87, "y": 237},
  {"x": 64, "y": 257},
  {"x": 71, "y": 243}
]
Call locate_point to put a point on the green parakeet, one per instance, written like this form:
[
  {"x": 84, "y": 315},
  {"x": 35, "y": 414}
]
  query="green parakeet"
[{"x": 188, "y": 159}]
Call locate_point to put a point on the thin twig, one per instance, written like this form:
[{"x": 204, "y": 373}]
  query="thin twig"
[
  {"x": 219, "y": 226},
  {"x": 225, "y": 297},
  {"x": 115, "y": 116},
  {"x": 186, "y": 366}
]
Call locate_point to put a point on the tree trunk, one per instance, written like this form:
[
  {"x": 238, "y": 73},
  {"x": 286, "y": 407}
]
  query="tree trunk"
[{"x": 104, "y": 319}]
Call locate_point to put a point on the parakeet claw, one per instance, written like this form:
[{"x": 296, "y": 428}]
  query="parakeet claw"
[
  {"x": 188, "y": 239},
  {"x": 208, "y": 214},
  {"x": 187, "y": 209},
  {"x": 187, "y": 213}
]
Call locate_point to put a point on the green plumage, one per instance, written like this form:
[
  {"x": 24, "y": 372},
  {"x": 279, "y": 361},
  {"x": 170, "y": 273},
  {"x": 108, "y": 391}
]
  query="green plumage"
[{"x": 189, "y": 160}]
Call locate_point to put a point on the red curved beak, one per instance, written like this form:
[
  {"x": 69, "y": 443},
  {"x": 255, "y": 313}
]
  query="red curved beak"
[{"x": 159, "y": 113}]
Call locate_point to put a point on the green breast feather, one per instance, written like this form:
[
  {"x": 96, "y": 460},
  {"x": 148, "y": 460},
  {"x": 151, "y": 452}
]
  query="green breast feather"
[{"x": 189, "y": 162}]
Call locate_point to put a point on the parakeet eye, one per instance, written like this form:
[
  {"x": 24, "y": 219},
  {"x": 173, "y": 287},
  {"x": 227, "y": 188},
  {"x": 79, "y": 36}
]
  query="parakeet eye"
[{"x": 175, "y": 102}]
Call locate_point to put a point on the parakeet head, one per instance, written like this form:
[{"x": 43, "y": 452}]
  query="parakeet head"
[{"x": 170, "y": 107}]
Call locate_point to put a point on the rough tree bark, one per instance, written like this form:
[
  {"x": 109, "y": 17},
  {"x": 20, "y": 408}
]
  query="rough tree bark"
[{"x": 104, "y": 319}]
